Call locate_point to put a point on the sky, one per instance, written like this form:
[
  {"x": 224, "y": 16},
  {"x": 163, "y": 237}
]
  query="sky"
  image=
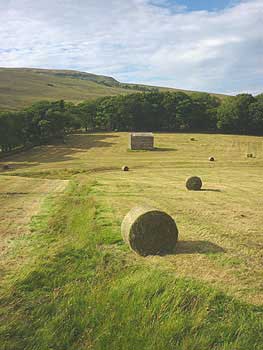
[{"x": 205, "y": 45}]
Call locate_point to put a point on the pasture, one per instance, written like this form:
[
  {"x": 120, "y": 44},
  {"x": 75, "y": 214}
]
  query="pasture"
[
  {"x": 220, "y": 227},
  {"x": 22, "y": 87}
]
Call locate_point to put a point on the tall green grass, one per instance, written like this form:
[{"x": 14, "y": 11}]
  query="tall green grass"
[{"x": 85, "y": 290}]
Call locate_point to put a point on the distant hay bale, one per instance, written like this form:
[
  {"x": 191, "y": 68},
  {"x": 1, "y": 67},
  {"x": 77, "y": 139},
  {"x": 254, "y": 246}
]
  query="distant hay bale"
[
  {"x": 211, "y": 159},
  {"x": 194, "y": 183},
  {"x": 125, "y": 168},
  {"x": 6, "y": 167},
  {"x": 149, "y": 231},
  {"x": 192, "y": 139},
  {"x": 250, "y": 155}
]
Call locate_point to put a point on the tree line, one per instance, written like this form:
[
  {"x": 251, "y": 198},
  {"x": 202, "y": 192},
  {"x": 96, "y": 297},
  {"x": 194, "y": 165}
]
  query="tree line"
[{"x": 46, "y": 121}]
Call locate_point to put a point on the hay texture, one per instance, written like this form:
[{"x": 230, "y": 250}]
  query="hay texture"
[
  {"x": 211, "y": 159},
  {"x": 125, "y": 168},
  {"x": 194, "y": 183},
  {"x": 149, "y": 231}
]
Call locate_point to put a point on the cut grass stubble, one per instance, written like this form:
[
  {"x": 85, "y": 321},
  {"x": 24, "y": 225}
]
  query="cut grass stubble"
[{"x": 85, "y": 291}]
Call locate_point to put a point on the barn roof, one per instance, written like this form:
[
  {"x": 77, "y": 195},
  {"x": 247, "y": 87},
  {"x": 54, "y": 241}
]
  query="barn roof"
[{"x": 142, "y": 134}]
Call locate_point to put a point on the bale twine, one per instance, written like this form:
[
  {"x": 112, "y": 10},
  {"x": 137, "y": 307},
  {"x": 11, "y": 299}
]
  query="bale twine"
[
  {"x": 149, "y": 231},
  {"x": 211, "y": 159},
  {"x": 125, "y": 168},
  {"x": 194, "y": 183}
]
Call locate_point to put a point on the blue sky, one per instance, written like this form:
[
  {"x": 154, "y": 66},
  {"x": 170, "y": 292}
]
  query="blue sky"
[
  {"x": 196, "y": 5},
  {"x": 201, "y": 45}
]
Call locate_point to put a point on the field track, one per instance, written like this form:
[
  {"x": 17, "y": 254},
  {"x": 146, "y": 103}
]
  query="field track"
[{"x": 20, "y": 199}]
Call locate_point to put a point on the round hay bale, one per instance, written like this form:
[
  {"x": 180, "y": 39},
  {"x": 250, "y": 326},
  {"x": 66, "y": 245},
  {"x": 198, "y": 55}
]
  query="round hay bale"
[
  {"x": 211, "y": 159},
  {"x": 192, "y": 139},
  {"x": 125, "y": 168},
  {"x": 149, "y": 231},
  {"x": 194, "y": 183},
  {"x": 250, "y": 155}
]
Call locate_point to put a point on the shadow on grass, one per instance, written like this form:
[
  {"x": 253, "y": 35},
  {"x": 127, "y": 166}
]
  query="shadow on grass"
[
  {"x": 163, "y": 149},
  {"x": 60, "y": 152},
  {"x": 14, "y": 166},
  {"x": 14, "y": 193},
  {"x": 197, "y": 247},
  {"x": 210, "y": 190},
  {"x": 155, "y": 149}
]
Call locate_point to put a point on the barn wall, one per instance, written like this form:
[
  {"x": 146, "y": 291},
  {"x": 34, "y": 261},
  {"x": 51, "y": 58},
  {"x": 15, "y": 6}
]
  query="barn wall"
[{"x": 138, "y": 142}]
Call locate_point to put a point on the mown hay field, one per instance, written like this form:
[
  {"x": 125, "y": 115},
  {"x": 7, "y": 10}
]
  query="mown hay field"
[
  {"x": 220, "y": 227},
  {"x": 21, "y": 198}
]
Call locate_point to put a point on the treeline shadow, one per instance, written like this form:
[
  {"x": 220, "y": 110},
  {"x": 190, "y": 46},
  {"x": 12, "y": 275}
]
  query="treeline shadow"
[{"x": 60, "y": 152}]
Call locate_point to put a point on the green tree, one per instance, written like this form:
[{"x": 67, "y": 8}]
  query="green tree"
[
  {"x": 87, "y": 114},
  {"x": 233, "y": 114},
  {"x": 256, "y": 117},
  {"x": 204, "y": 115}
]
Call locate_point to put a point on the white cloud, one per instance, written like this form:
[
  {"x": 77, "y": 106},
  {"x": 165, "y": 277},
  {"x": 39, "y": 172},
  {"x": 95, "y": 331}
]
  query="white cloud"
[{"x": 138, "y": 41}]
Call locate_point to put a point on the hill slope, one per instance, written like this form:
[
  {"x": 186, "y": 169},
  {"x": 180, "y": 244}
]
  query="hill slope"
[{"x": 20, "y": 87}]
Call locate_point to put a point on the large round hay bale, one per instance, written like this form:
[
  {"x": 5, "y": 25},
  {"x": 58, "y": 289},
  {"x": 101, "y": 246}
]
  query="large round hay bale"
[
  {"x": 194, "y": 183},
  {"x": 149, "y": 231},
  {"x": 211, "y": 159},
  {"x": 125, "y": 168}
]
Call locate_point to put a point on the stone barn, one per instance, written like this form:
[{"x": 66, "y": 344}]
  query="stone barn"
[{"x": 141, "y": 141}]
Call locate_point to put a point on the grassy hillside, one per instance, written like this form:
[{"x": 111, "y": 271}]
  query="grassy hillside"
[
  {"x": 73, "y": 284},
  {"x": 20, "y": 87}
]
